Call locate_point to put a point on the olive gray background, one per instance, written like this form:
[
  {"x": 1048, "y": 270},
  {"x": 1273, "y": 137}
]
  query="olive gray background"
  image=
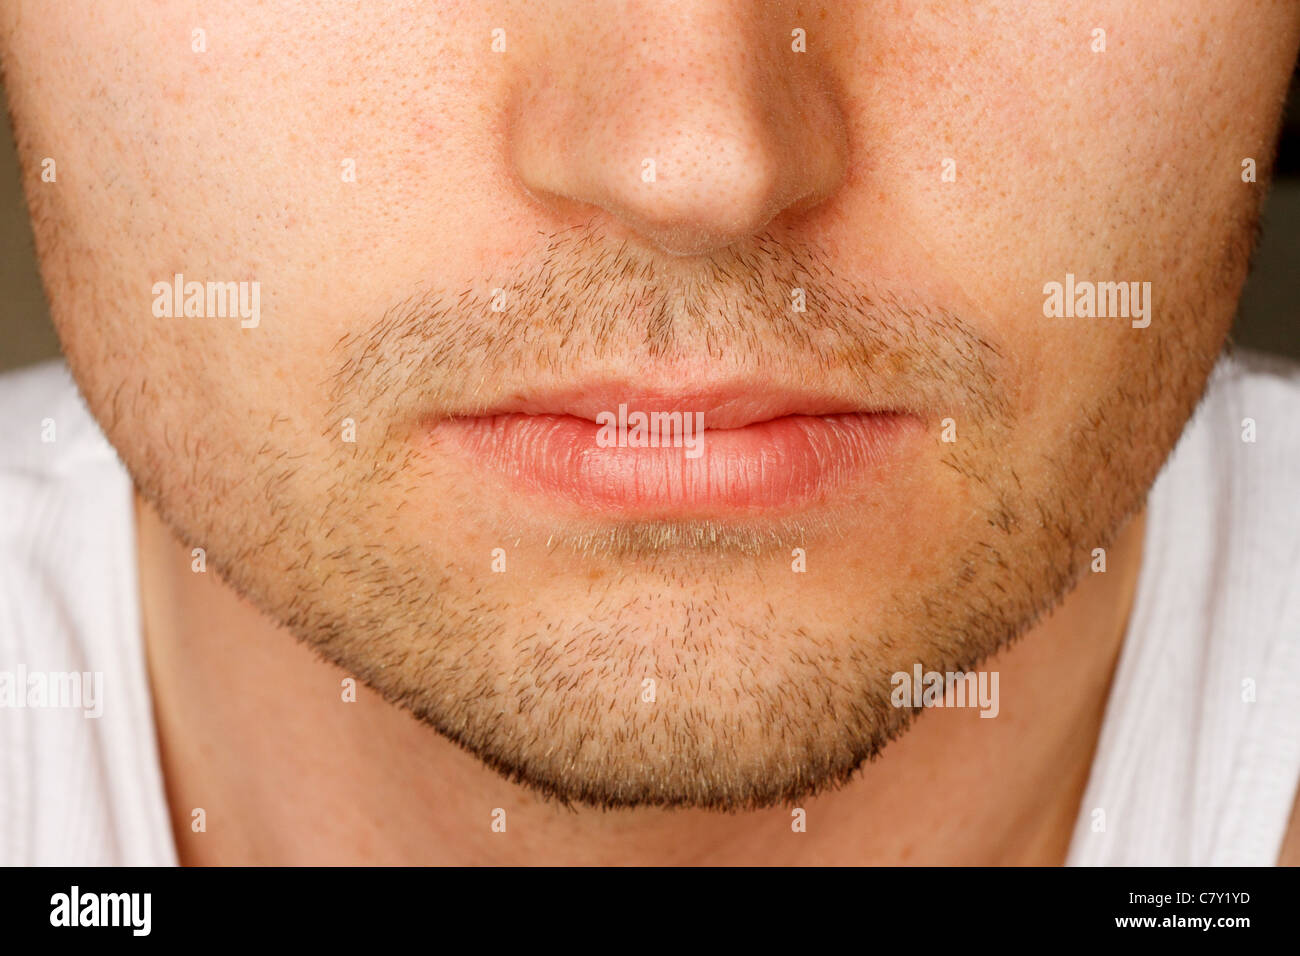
[{"x": 1267, "y": 317}]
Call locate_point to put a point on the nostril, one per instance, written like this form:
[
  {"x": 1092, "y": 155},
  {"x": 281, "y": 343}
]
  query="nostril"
[{"x": 689, "y": 170}]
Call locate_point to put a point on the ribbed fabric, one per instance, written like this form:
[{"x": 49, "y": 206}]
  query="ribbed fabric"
[
  {"x": 73, "y": 789},
  {"x": 1188, "y": 771},
  {"x": 1199, "y": 755}
]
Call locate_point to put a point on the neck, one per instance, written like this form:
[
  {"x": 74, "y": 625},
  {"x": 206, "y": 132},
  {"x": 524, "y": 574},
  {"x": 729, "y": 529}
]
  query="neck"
[{"x": 254, "y": 729}]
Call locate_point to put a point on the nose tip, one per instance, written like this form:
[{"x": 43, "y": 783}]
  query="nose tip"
[
  {"x": 689, "y": 162},
  {"x": 699, "y": 194}
]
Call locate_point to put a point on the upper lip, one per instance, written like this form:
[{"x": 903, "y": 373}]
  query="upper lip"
[{"x": 726, "y": 405}]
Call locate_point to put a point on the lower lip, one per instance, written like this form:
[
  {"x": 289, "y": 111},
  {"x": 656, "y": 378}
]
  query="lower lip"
[{"x": 784, "y": 462}]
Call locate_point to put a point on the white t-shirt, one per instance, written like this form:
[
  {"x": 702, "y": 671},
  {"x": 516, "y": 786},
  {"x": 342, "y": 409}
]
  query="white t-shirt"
[{"x": 1198, "y": 760}]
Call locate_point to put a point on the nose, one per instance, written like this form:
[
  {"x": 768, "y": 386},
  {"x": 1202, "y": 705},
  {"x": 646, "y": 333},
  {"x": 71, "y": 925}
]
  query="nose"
[{"x": 693, "y": 130}]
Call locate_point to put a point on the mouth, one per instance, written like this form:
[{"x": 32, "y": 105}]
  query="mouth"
[{"x": 619, "y": 450}]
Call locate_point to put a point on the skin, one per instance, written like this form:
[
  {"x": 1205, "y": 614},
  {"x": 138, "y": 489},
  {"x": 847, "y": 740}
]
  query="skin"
[{"x": 521, "y": 170}]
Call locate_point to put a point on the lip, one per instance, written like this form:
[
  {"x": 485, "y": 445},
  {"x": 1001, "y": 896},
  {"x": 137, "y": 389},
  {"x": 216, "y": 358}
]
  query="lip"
[{"x": 760, "y": 450}]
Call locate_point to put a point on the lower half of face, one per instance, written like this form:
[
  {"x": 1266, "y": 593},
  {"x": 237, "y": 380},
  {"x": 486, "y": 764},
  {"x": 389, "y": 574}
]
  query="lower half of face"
[
  {"x": 421, "y": 454},
  {"x": 714, "y": 622}
]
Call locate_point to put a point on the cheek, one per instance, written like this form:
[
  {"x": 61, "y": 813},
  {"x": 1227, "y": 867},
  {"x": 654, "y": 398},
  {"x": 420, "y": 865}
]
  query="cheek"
[{"x": 1066, "y": 159}]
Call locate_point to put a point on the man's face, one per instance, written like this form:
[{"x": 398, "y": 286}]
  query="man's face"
[{"x": 474, "y": 226}]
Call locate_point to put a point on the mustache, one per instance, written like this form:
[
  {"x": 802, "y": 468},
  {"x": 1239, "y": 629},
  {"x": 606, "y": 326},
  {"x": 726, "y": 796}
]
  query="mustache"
[{"x": 585, "y": 305}]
